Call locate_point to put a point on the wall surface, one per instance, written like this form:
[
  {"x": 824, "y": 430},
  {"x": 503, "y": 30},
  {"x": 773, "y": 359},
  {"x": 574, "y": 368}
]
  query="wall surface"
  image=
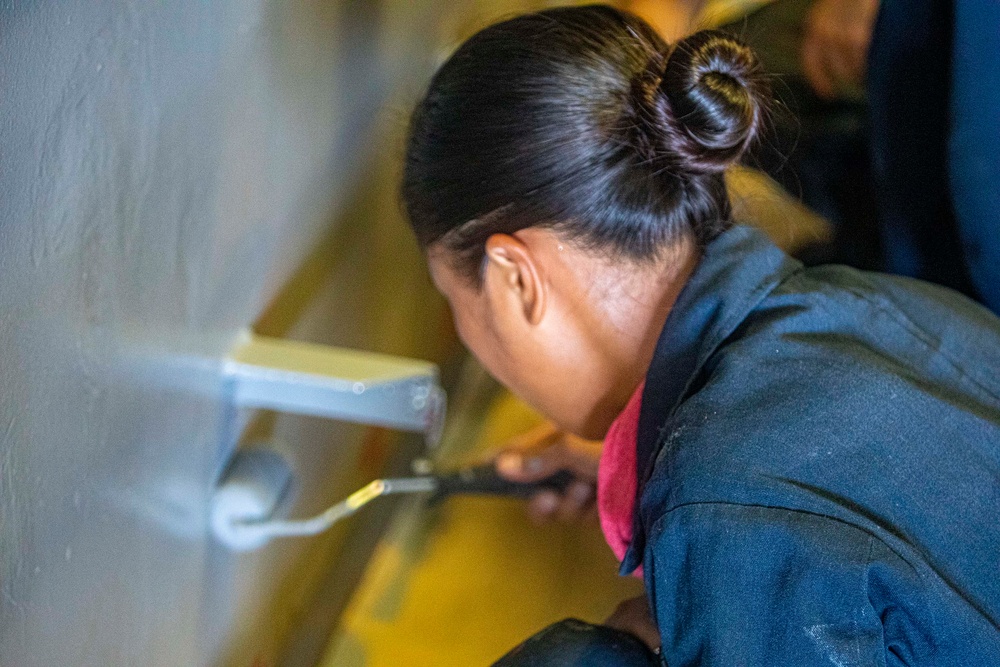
[{"x": 170, "y": 174}]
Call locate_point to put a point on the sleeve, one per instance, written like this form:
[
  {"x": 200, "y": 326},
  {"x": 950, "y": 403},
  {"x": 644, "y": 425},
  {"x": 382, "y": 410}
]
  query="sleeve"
[{"x": 734, "y": 585}]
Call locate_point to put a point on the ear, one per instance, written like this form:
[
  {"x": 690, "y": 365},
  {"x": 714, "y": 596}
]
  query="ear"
[{"x": 513, "y": 273}]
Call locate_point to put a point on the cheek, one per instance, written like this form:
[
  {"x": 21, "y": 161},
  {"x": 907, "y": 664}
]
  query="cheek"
[
  {"x": 473, "y": 332},
  {"x": 489, "y": 347},
  {"x": 549, "y": 373},
  {"x": 567, "y": 382},
  {"x": 466, "y": 328}
]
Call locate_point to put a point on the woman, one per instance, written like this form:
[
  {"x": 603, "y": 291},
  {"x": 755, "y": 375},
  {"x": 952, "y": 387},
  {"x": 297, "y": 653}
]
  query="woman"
[{"x": 805, "y": 464}]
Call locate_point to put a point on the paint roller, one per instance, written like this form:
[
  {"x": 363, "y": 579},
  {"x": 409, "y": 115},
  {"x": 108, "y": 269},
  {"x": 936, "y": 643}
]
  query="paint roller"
[{"x": 256, "y": 488}]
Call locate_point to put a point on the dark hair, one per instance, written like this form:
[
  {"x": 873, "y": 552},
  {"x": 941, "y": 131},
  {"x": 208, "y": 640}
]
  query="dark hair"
[{"x": 582, "y": 119}]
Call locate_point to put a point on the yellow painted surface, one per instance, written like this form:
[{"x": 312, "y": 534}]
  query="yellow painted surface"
[
  {"x": 759, "y": 200},
  {"x": 481, "y": 579}
]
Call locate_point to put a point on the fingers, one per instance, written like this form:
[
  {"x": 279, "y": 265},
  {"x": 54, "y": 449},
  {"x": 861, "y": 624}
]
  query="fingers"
[
  {"x": 543, "y": 506},
  {"x": 815, "y": 70},
  {"x": 530, "y": 456},
  {"x": 633, "y": 616},
  {"x": 831, "y": 65},
  {"x": 577, "y": 499},
  {"x": 553, "y": 453},
  {"x": 528, "y": 466},
  {"x": 835, "y": 45},
  {"x": 544, "y": 452},
  {"x": 829, "y": 60},
  {"x": 856, "y": 57},
  {"x": 576, "y": 503}
]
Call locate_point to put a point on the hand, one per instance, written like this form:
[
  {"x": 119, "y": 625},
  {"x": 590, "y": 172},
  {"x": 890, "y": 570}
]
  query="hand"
[
  {"x": 544, "y": 451},
  {"x": 835, "y": 45},
  {"x": 633, "y": 616},
  {"x": 672, "y": 19}
]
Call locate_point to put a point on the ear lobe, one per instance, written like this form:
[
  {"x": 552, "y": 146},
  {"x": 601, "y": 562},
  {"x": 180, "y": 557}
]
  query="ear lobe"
[{"x": 519, "y": 274}]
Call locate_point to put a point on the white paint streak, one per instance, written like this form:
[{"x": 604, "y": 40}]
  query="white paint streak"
[{"x": 837, "y": 643}]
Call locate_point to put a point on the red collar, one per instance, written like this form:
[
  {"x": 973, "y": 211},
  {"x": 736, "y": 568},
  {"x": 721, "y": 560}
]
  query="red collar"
[{"x": 617, "y": 477}]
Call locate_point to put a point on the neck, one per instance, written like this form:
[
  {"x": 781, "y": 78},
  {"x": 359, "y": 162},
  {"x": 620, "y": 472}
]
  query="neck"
[{"x": 634, "y": 303}]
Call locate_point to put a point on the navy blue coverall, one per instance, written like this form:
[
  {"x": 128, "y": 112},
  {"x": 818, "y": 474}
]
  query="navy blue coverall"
[
  {"x": 934, "y": 92},
  {"x": 822, "y": 476}
]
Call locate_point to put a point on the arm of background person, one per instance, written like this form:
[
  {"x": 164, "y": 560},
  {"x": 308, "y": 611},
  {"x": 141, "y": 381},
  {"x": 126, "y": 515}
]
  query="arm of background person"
[
  {"x": 673, "y": 19},
  {"x": 836, "y": 38}
]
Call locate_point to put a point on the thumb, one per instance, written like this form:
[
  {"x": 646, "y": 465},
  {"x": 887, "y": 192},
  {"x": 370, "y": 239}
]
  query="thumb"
[{"x": 529, "y": 465}]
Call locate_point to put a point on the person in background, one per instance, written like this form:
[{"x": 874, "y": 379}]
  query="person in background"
[
  {"x": 802, "y": 464},
  {"x": 819, "y": 144},
  {"x": 909, "y": 186},
  {"x": 933, "y": 74},
  {"x": 828, "y": 39}
]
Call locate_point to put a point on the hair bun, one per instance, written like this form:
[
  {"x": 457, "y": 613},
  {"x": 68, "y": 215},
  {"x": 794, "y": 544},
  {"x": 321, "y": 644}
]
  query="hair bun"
[{"x": 711, "y": 102}]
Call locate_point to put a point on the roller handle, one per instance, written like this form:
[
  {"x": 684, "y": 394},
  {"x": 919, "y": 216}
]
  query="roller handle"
[{"x": 484, "y": 479}]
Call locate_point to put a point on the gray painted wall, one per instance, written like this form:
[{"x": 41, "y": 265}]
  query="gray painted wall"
[{"x": 165, "y": 170}]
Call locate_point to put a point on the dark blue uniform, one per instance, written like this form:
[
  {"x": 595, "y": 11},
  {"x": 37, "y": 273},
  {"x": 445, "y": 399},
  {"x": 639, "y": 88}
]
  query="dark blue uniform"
[
  {"x": 820, "y": 454},
  {"x": 932, "y": 83}
]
